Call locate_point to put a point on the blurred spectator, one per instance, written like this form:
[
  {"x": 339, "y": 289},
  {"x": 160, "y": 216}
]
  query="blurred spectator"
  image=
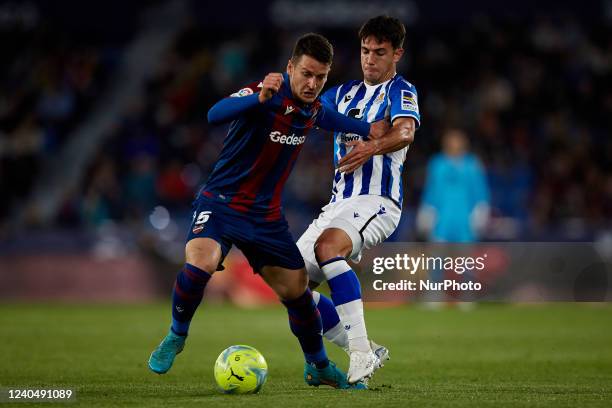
[
  {"x": 102, "y": 199},
  {"x": 140, "y": 193}
]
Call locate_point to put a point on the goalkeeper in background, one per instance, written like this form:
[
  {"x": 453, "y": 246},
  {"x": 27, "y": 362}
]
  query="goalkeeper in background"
[{"x": 455, "y": 201}]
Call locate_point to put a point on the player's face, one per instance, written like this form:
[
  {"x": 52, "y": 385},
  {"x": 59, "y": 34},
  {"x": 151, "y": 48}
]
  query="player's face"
[
  {"x": 455, "y": 143},
  {"x": 378, "y": 60},
  {"x": 308, "y": 76}
]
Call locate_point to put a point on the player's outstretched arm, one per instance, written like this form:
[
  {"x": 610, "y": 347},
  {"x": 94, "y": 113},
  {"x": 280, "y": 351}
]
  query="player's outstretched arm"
[
  {"x": 231, "y": 108},
  {"x": 398, "y": 137},
  {"x": 331, "y": 120}
]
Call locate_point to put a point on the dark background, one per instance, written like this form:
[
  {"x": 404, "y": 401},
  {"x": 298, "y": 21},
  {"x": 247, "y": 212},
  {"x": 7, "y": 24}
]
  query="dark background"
[{"x": 104, "y": 140}]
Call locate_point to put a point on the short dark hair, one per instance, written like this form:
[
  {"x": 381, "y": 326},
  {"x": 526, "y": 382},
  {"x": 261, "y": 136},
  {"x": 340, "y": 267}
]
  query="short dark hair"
[
  {"x": 384, "y": 28},
  {"x": 315, "y": 46}
]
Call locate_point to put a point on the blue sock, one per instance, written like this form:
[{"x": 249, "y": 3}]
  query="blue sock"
[
  {"x": 346, "y": 295},
  {"x": 329, "y": 314},
  {"x": 305, "y": 324},
  {"x": 343, "y": 282},
  {"x": 186, "y": 296}
]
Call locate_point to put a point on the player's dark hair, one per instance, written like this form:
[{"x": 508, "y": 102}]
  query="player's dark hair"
[
  {"x": 315, "y": 46},
  {"x": 384, "y": 28}
]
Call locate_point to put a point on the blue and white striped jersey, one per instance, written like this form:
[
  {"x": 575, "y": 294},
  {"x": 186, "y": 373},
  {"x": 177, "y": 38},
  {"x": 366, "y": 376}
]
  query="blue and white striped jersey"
[{"x": 382, "y": 174}]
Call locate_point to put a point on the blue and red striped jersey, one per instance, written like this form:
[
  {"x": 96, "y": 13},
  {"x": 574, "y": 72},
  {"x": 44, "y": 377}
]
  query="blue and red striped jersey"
[{"x": 260, "y": 151}]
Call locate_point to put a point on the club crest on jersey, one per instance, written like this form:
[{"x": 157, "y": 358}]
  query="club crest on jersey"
[
  {"x": 242, "y": 92},
  {"x": 380, "y": 98},
  {"x": 409, "y": 101}
]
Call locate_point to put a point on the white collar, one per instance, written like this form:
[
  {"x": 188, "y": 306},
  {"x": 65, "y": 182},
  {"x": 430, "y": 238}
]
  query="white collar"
[{"x": 382, "y": 83}]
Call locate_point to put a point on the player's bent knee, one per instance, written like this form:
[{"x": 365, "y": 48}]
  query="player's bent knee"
[
  {"x": 286, "y": 293},
  {"x": 289, "y": 291},
  {"x": 331, "y": 244},
  {"x": 295, "y": 288},
  {"x": 203, "y": 253},
  {"x": 288, "y": 284}
]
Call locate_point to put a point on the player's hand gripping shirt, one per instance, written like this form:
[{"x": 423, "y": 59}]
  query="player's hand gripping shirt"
[{"x": 382, "y": 174}]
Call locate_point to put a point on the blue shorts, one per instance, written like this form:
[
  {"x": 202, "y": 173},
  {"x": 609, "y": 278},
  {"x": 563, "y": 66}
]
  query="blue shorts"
[{"x": 263, "y": 243}]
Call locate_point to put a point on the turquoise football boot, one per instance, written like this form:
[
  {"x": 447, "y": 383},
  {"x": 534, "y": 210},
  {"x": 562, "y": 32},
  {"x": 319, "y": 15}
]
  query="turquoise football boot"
[
  {"x": 330, "y": 375},
  {"x": 163, "y": 356}
]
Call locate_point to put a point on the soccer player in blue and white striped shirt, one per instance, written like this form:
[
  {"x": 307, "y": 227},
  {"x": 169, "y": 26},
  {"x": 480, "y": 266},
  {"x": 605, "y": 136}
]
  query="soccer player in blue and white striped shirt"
[{"x": 366, "y": 202}]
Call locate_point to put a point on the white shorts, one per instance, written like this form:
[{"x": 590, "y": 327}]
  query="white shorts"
[{"x": 367, "y": 219}]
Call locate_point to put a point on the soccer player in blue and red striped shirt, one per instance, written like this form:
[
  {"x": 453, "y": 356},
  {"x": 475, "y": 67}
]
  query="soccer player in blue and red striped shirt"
[{"x": 240, "y": 203}]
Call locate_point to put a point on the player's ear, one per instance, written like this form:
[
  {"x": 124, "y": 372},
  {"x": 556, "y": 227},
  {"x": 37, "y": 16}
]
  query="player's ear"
[
  {"x": 290, "y": 67},
  {"x": 397, "y": 55}
]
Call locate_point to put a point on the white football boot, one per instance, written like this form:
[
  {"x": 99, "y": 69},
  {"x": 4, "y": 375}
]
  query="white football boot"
[
  {"x": 381, "y": 352},
  {"x": 362, "y": 365}
]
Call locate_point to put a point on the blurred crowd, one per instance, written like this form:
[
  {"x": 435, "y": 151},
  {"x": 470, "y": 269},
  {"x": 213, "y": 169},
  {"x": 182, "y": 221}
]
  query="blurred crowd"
[
  {"x": 49, "y": 81},
  {"x": 535, "y": 98}
]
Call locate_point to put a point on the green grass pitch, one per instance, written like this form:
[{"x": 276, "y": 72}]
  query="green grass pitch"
[{"x": 556, "y": 355}]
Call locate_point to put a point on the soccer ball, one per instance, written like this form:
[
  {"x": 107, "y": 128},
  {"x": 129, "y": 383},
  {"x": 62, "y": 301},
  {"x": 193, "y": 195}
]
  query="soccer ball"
[{"x": 240, "y": 370}]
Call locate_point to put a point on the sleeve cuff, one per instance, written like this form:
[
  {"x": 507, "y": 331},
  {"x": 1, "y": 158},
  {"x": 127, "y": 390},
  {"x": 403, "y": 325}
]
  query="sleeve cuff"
[{"x": 407, "y": 115}]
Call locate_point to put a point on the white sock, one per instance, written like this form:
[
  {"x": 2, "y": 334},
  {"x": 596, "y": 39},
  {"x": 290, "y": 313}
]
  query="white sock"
[
  {"x": 337, "y": 335},
  {"x": 351, "y": 316}
]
